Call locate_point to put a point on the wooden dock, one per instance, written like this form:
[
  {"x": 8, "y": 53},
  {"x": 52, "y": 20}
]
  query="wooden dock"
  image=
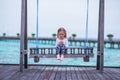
[
  {"x": 11, "y": 72},
  {"x": 72, "y": 42}
]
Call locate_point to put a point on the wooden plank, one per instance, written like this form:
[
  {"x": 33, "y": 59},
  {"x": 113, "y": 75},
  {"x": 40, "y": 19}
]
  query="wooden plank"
[
  {"x": 54, "y": 55},
  {"x": 29, "y": 73},
  {"x": 99, "y": 75},
  {"x": 19, "y": 75},
  {"x": 106, "y": 77},
  {"x": 73, "y": 74},
  {"x": 10, "y": 74},
  {"x": 3, "y": 68},
  {"x": 24, "y": 75},
  {"x": 79, "y": 75},
  {"x": 52, "y": 77},
  {"x": 89, "y": 75},
  {"x": 68, "y": 74},
  {"x": 7, "y": 73},
  {"x": 67, "y": 48},
  {"x": 16, "y": 76},
  {"x": 38, "y": 73},
  {"x": 91, "y": 72},
  {"x": 84, "y": 75},
  {"x": 41, "y": 77},
  {"x": 45, "y": 74},
  {"x": 58, "y": 74},
  {"x": 109, "y": 75},
  {"x": 96, "y": 74},
  {"x": 115, "y": 76},
  {"x": 115, "y": 70},
  {"x": 63, "y": 73},
  {"x": 48, "y": 73}
]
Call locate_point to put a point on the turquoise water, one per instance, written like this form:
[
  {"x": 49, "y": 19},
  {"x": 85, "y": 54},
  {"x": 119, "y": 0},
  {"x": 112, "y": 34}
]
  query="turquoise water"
[{"x": 9, "y": 53}]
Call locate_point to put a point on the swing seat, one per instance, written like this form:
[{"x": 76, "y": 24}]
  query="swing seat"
[{"x": 70, "y": 53}]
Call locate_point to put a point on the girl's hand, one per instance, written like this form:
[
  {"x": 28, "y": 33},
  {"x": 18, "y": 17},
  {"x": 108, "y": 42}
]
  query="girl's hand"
[{"x": 61, "y": 42}]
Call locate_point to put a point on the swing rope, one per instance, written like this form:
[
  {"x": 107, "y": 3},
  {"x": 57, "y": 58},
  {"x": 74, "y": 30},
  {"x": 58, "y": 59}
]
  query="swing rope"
[
  {"x": 86, "y": 45},
  {"x": 37, "y": 27}
]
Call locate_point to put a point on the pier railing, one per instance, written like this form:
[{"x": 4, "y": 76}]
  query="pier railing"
[{"x": 72, "y": 42}]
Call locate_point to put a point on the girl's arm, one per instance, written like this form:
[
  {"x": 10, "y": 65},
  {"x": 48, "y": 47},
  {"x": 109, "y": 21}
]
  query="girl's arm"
[
  {"x": 66, "y": 43},
  {"x": 56, "y": 43}
]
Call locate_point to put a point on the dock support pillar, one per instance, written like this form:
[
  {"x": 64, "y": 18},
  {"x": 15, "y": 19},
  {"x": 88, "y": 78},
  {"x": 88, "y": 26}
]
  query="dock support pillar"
[
  {"x": 100, "y": 48},
  {"x": 23, "y": 37}
]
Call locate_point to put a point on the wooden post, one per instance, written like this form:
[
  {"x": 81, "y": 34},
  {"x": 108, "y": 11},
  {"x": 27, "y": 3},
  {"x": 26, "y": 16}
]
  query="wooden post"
[
  {"x": 23, "y": 41},
  {"x": 25, "y": 38},
  {"x": 100, "y": 49},
  {"x": 22, "y": 35}
]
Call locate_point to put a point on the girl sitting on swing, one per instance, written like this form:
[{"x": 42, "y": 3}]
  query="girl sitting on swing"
[{"x": 61, "y": 43}]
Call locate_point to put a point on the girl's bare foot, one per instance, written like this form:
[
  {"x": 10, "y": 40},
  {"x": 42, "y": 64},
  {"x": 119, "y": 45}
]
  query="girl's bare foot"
[
  {"x": 58, "y": 56},
  {"x": 62, "y": 57}
]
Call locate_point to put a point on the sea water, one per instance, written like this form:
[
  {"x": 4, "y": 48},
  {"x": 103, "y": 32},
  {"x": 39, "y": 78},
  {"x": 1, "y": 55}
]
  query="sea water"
[{"x": 10, "y": 54}]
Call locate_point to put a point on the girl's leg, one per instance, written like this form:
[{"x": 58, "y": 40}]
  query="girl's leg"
[
  {"x": 58, "y": 51},
  {"x": 63, "y": 48}
]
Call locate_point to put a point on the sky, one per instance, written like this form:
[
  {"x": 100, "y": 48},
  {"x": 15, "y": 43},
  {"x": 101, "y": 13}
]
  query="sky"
[{"x": 70, "y": 14}]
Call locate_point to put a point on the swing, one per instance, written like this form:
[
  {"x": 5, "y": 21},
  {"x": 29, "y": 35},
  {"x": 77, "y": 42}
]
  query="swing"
[{"x": 71, "y": 52}]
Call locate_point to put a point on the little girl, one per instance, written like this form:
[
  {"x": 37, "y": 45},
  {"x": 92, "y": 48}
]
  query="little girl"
[{"x": 61, "y": 43}]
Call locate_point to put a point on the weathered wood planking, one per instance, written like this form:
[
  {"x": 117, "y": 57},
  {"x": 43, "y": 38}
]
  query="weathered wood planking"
[
  {"x": 87, "y": 71},
  {"x": 8, "y": 72},
  {"x": 63, "y": 73},
  {"x": 53, "y": 74},
  {"x": 73, "y": 73},
  {"x": 11, "y": 72},
  {"x": 58, "y": 75},
  {"x": 68, "y": 75},
  {"x": 114, "y": 73}
]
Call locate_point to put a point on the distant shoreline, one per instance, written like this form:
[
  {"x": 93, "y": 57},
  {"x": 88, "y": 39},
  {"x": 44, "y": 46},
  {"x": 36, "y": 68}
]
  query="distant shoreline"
[
  {"x": 72, "y": 41},
  {"x": 70, "y": 38}
]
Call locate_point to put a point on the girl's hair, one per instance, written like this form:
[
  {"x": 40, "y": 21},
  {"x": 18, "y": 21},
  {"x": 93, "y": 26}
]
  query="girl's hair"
[{"x": 62, "y": 29}]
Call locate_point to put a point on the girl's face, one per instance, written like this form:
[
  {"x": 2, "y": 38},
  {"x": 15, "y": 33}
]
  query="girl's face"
[{"x": 61, "y": 35}]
